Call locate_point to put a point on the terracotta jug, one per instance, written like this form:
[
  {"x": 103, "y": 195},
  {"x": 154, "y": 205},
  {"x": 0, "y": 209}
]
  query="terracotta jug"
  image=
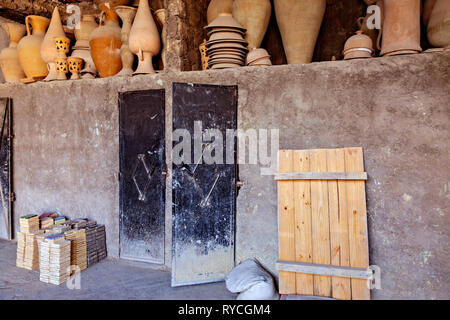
[
  {"x": 144, "y": 38},
  {"x": 9, "y": 58},
  {"x": 84, "y": 30},
  {"x": 29, "y": 48},
  {"x": 299, "y": 23},
  {"x": 105, "y": 43},
  {"x": 217, "y": 7},
  {"x": 48, "y": 49},
  {"x": 254, "y": 15},
  {"x": 400, "y": 27},
  {"x": 127, "y": 15},
  {"x": 439, "y": 25},
  {"x": 161, "y": 16}
]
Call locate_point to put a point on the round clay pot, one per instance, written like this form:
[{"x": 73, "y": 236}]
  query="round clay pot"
[
  {"x": 9, "y": 57},
  {"x": 84, "y": 30},
  {"x": 299, "y": 23},
  {"x": 254, "y": 15},
  {"x": 401, "y": 27},
  {"x": 127, "y": 15},
  {"x": 144, "y": 38},
  {"x": 358, "y": 46},
  {"x": 217, "y": 7},
  {"x": 48, "y": 48},
  {"x": 439, "y": 25},
  {"x": 105, "y": 43},
  {"x": 426, "y": 11},
  {"x": 29, "y": 48}
]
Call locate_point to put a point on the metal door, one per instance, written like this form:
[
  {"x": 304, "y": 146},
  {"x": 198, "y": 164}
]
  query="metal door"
[
  {"x": 6, "y": 195},
  {"x": 204, "y": 195},
  {"x": 142, "y": 175}
]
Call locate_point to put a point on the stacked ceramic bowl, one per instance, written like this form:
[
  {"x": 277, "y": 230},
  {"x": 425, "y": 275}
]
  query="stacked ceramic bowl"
[
  {"x": 226, "y": 47},
  {"x": 258, "y": 57}
]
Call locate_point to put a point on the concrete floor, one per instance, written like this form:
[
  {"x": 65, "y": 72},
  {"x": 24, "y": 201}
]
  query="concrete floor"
[{"x": 109, "y": 279}]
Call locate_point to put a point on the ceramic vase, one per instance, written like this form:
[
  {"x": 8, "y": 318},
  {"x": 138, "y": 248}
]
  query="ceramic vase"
[
  {"x": 439, "y": 25},
  {"x": 29, "y": 48},
  {"x": 61, "y": 68},
  {"x": 127, "y": 15},
  {"x": 9, "y": 58},
  {"x": 161, "y": 17},
  {"x": 144, "y": 38},
  {"x": 400, "y": 27},
  {"x": 105, "y": 43},
  {"x": 75, "y": 67},
  {"x": 84, "y": 30},
  {"x": 48, "y": 49},
  {"x": 254, "y": 15},
  {"x": 217, "y": 7},
  {"x": 426, "y": 10},
  {"x": 299, "y": 23}
]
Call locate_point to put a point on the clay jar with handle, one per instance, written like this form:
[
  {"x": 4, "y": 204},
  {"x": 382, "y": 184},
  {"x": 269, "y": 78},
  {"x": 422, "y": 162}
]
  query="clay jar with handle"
[
  {"x": 105, "y": 43},
  {"x": 299, "y": 23},
  {"x": 48, "y": 49},
  {"x": 127, "y": 15},
  {"x": 144, "y": 38},
  {"x": 9, "y": 58},
  {"x": 217, "y": 7},
  {"x": 29, "y": 48},
  {"x": 254, "y": 15},
  {"x": 400, "y": 27},
  {"x": 439, "y": 25}
]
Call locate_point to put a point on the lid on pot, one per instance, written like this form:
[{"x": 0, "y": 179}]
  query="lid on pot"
[{"x": 225, "y": 20}]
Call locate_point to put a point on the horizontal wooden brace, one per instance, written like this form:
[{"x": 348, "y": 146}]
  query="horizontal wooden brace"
[
  {"x": 325, "y": 270},
  {"x": 321, "y": 176}
]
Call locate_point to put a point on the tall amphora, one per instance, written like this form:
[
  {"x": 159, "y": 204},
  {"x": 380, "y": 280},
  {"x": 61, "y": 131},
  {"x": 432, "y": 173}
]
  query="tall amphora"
[{"x": 9, "y": 58}]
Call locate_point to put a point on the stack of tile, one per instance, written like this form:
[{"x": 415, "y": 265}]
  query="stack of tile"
[
  {"x": 226, "y": 47},
  {"x": 46, "y": 223},
  {"x": 59, "y": 220},
  {"x": 20, "y": 249},
  {"x": 31, "y": 258},
  {"x": 101, "y": 242},
  {"x": 78, "y": 251},
  {"x": 91, "y": 244},
  {"x": 29, "y": 223},
  {"x": 55, "y": 260},
  {"x": 61, "y": 228}
]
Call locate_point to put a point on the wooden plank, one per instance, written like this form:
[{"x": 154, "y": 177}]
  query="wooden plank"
[
  {"x": 357, "y": 220},
  {"x": 321, "y": 175},
  {"x": 320, "y": 222},
  {"x": 321, "y": 269},
  {"x": 338, "y": 224},
  {"x": 302, "y": 205},
  {"x": 286, "y": 222}
]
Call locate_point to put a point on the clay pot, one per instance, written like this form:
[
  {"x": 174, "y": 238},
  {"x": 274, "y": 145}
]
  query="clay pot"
[
  {"x": 426, "y": 11},
  {"x": 105, "y": 42},
  {"x": 29, "y": 48},
  {"x": 439, "y": 25},
  {"x": 126, "y": 14},
  {"x": 299, "y": 23},
  {"x": 84, "y": 30},
  {"x": 254, "y": 15},
  {"x": 161, "y": 17},
  {"x": 9, "y": 58},
  {"x": 358, "y": 46},
  {"x": 75, "y": 67},
  {"x": 401, "y": 27},
  {"x": 144, "y": 38},
  {"x": 48, "y": 49},
  {"x": 217, "y": 7}
]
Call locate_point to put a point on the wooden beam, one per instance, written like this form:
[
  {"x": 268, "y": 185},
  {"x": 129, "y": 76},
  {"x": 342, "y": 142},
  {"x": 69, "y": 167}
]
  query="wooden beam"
[
  {"x": 321, "y": 176},
  {"x": 324, "y": 270}
]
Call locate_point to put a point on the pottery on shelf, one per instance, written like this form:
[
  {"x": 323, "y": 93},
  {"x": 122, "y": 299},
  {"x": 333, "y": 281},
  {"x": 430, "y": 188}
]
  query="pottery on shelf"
[
  {"x": 299, "y": 23},
  {"x": 254, "y": 15},
  {"x": 105, "y": 43},
  {"x": 217, "y": 7},
  {"x": 401, "y": 27},
  {"x": 258, "y": 57},
  {"x": 161, "y": 17},
  {"x": 61, "y": 68},
  {"x": 48, "y": 49},
  {"x": 9, "y": 57},
  {"x": 144, "y": 38},
  {"x": 29, "y": 48},
  {"x": 439, "y": 25},
  {"x": 84, "y": 30},
  {"x": 75, "y": 67},
  {"x": 358, "y": 46},
  {"x": 62, "y": 45},
  {"x": 127, "y": 15}
]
